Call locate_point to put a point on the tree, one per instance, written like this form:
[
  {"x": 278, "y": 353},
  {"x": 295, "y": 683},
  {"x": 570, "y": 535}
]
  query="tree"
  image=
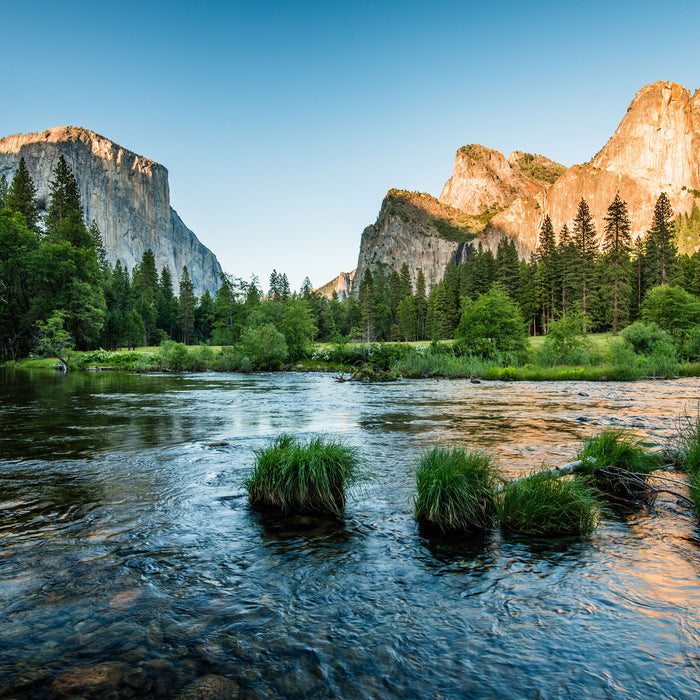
[
  {"x": 53, "y": 339},
  {"x": 185, "y": 307},
  {"x": 21, "y": 196},
  {"x": 616, "y": 246},
  {"x": 492, "y": 324},
  {"x": 586, "y": 247},
  {"x": 19, "y": 285},
  {"x": 265, "y": 346},
  {"x": 298, "y": 328},
  {"x": 367, "y": 303},
  {"x": 672, "y": 309},
  {"x": 407, "y": 319},
  {"x": 421, "y": 303},
  {"x": 204, "y": 315},
  {"x": 661, "y": 245},
  {"x": 546, "y": 254},
  {"x": 4, "y": 190},
  {"x": 98, "y": 245},
  {"x": 566, "y": 255},
  {"x": 65, "y": 196}
]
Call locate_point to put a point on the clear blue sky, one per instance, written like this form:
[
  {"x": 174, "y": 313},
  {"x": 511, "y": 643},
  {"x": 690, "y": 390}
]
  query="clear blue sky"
[{"x": 283, "y": 124}]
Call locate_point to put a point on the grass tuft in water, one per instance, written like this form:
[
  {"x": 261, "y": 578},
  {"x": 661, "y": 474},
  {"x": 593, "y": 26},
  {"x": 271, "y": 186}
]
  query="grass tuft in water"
[
  {"x": 456, "y": 489},
  {"x": 689, "y": 442},
  {"x": 303, "y": 477},
  {"x": 621, "y": 465},
  {"x": 544, "y": 504}
]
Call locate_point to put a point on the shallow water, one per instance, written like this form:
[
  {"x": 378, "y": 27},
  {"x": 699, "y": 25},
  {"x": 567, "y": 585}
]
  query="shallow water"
[{"x": 131, "y": 565}]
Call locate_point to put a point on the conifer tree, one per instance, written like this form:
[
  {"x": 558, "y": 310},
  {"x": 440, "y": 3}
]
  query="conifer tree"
[
  {"x": 546, "y": 253},
  {"x": 421, "y": 303},
  {"x": 98, "y": 245},
  {"x": 185, "y": 307},
  {"x": 661, "y": 246},
  {"x": 367, "y": 304},
  {"x": 21, "y": 196},
  {"x": 508, "y": 266},
  {"x": 4, "y": 190},
  {"x": 586, "y": 246},
  {"x": 65, "y": 196},
  {"x": 566, "y": 255},
  {"x": 616, "y": 246}
]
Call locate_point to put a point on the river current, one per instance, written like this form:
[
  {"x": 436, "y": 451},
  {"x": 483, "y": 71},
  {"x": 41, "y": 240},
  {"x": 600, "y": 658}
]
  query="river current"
[{"x": 132, "y": 567}]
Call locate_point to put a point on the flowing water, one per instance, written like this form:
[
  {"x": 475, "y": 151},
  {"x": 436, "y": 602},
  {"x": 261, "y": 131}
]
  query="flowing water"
[{"x": 132, "y": 566}]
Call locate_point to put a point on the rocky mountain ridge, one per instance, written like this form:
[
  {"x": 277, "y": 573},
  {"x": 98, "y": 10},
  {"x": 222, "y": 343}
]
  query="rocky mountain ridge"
[
  {"x": 655, "y": 148},
  {"x": 126, "y": 194}
]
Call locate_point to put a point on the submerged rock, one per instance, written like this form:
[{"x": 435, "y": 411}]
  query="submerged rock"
[{"x": 210, "y": 687}]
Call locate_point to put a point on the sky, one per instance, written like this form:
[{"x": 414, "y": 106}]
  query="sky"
[{"x": 283, "y": 124}]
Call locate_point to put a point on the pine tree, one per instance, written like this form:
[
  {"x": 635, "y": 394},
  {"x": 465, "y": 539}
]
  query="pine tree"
[
  {"x": 65, "y": 196},
  {"x": 21, "y": 196},
  {"x": 185, "y": 307},
  {"x": 508, "y": 266},
  {"x": 616, "y": 246},
  {"x": 661, "y": 246},
  {"x": 566, "y": 255},
  {"x": 546, "y": 254},
  {"x": 98, "y": 245},
  {"x": 367, "y": 303},
  {"x": 586, "y": 246},
  {"x": 421, "y": 304},
  {"x": 4, "y": 191}
]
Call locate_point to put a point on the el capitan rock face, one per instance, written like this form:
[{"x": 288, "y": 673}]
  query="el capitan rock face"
[
  {"x": 656, "y": 148},
  {"x": 126, "y": 194}
]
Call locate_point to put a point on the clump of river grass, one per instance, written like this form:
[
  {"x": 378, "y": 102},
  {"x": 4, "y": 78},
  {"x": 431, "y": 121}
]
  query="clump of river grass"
[
  {"x": 544, "y": 504},
  {"x": 456, "y": 489},
  {"x": 621, "y": 465},
  {"x": 688, "y": 453},
  {"x": 294, "y": 476}
]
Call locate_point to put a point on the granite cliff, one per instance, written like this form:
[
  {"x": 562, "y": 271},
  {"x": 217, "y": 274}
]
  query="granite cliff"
[
  {"x": 126, "y": 194},
  {"x": 655, "y": 148}
]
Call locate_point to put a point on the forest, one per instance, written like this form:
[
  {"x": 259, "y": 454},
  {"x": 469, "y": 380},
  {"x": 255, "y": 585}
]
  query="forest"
[{"x": 55, "y": 278}]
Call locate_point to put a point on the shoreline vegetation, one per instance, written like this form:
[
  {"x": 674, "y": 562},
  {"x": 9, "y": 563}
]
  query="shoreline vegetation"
[{"x": 604, "y": 357}]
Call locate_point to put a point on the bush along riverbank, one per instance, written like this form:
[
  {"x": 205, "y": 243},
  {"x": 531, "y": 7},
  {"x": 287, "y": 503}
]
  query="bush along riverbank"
[{"x": 568, "y": 352}]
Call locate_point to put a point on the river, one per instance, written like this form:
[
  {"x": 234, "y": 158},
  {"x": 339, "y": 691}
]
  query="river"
[{"x": 131, "y": 565}]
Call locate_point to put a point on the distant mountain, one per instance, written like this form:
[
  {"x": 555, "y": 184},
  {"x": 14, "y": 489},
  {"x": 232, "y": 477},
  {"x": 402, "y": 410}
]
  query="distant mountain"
[
  {"x": 126, "y": 194},
  {"x": 655, "y": 148}
]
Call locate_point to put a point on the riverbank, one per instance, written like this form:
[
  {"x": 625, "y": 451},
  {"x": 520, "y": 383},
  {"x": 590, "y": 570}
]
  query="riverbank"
[{"x": 393, "y": 360}]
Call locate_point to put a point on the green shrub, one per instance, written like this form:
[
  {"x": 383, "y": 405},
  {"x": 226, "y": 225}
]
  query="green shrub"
[
  {"x": 492, "y": 324},
  {"x": 177, "y": 357},
  {"x": 567, "y": 343},
  {"x": 456, "y": 489},
  {"x": 544, "y": 504},
  {"x": 265, "y": 346},
  {"x": 303, "y": 477},
  {"x": 645, "y": 338}
]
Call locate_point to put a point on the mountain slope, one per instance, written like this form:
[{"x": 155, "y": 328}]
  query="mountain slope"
[{"x": 126, "y": 194}]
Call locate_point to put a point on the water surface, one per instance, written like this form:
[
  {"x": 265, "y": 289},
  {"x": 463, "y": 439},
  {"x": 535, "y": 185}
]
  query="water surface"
[{"x": 131, "y": 565}]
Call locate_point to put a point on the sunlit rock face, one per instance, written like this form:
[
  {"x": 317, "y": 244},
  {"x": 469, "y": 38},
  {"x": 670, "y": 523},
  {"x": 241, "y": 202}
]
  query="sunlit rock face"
[
  {"x": 126, "y": 194},
  {"x": 484, "y": 181},
  {"x": 407, "y": 231},
  {"x": 656, "y": 148}
]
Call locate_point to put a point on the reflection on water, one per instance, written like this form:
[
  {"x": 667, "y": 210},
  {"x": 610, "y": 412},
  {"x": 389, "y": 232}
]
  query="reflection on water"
[{"x": 131, "y": 566}]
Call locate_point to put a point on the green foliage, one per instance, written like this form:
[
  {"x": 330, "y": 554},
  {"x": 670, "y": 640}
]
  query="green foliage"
[
  {"x": 544, "y": 504},
  {"x": 456, "y": 489},
  {"x": 547, "y": 172},
  {"x": 616, "y": 448},
  {"x": 21, "y": 197},
  {"x": 674, "y": 310},
  {"x": 53, "y": 339},
  {"x": 65, "y": 196},
  {"x": 176, "y": 356},
  {"x": 229, "y": 359},
  {"x": 689, "y": 443},
  {"x": 567, "y": 343},
  {"x": 303, "y": 477},
  {"x": 492, "y": 324},
  {"x": 185, "y": 307},
  {"x": 265, "y": 346}
]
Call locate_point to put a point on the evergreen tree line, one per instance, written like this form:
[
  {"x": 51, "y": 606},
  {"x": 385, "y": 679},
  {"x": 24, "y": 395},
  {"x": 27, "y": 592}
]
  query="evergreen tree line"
[{"x": 54, "y": 265}]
